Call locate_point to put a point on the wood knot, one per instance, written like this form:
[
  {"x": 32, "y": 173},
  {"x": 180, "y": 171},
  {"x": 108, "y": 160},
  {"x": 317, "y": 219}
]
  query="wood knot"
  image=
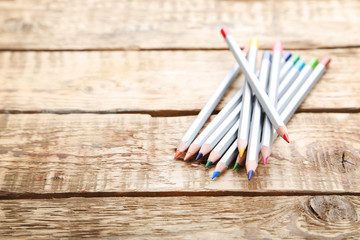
[
  {"x": 334, "y": 155},
  {"x": 57, "y": 178},
  {"x": 333, "y": 209}
]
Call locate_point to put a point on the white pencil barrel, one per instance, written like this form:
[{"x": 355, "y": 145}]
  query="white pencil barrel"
[
  {"x": 255, "y": 84},
  {"x": 273, "y": 96},
  {"x": 219, "y": 118},
  {"x": 289, "y": 78},
  {"x": 245, "y": 115},
  {"x": 285, "y": 69},
  {"x": 210, "y": 105},
  {"x": 224, "y": 127},
  {"x": 301, "y": 94},
  {"x": 288, "y": 95},
  {"x": 255, "y": 129},
  {"x": 230, "y": 154},
  {"x": 228, "y": 139}
]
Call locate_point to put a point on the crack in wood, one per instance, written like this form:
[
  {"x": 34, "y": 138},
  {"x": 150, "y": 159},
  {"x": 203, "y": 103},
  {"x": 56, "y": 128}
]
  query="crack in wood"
[
  {"x": 312, "y": 210},
  {"x": 163, "y": 113},
  {"x": 11, "y": 195},
  {"x": 343, "y": 160},
  {"x": 137, "y": 49}
]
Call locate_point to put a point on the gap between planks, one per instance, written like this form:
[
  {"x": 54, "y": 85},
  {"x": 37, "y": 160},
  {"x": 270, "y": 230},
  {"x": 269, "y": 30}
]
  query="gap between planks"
[
  {"x": 9, "y": 196},
  {"x": 165, "y": 49},
  {"x": 166, "y": 113}
]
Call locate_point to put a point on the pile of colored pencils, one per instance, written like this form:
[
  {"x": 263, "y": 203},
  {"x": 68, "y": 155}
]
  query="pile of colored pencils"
[{"x": 249, "y": 123}]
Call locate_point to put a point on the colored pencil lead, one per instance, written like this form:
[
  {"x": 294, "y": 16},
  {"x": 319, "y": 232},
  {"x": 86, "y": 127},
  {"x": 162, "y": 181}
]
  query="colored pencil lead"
[
  {"x": 286, "y": 55},
  {"x": 265, "y": 160},
  {"x": 265, "y": 152},
  {"x": 208, "y": 163},
  {"x": 286, "y": 137},
  {"x": 250, "y": 174},
  {"x": 215, "y": 174},
  {"x": 241, "y": 152},
  {"x": 200, "y": 155},
  {"x": 177, "y": 154},
  {"x": 225, "y": 31},
  {"x": 236, "y": 166}
]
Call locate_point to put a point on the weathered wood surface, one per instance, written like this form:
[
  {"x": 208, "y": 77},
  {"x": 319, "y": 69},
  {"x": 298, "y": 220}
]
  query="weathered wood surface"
[
  {"x": 126, "y": 160},
  {"x": 303, "y": 217},
  {"x": 131, "y": 155},
  {"x": 158, "y": 82},
  {"x": 180, "y": 24}
]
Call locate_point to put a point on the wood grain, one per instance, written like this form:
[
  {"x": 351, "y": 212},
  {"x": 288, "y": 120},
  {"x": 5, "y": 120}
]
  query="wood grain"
[
  {"x": 180, "y": 24},
  {"x": 159, "y": 82},
  {"x": 181, "y": 218},
  {"x": 131, "y": 155}
]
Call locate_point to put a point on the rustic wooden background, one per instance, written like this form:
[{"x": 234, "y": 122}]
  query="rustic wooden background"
[{"x": 95, "y": 95}]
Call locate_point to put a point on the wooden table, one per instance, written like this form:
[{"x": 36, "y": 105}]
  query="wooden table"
[{"x": 95, "y": 96}]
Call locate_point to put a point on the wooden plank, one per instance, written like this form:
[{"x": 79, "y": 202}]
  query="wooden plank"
[
  {"x": 183, "y": 218},
  {"x": 160, "y": 82},
  {"x": 132, "y": 154},
  {"x": 159, "y": 24}
]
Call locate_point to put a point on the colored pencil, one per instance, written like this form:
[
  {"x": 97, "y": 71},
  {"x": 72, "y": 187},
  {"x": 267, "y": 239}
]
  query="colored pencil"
[
  {"x": 266, "y": 140},
  {"x": 215, "y": 137},
  {"x": 302, "y": 91},
  {"x": 226, "y": 160},
  {"x": 215, "y": 123},
  {"x": 288, "y": 65},
  {"x": 294, "y": 59},
  {"x": 245, "y": 115},
  {"x": 283, "y": 88},
  {"x": 255, "y": 85},
  {"x": 273, "y": 95},
  {"x": 290, "y": 77},
  {"x": 304, "y": 74},
  {"x": 224, "y": 144},
  {"x": 305, "y": 88},
  {"x": 255, "y": 129},
  {"x": 282, "y": 105}
]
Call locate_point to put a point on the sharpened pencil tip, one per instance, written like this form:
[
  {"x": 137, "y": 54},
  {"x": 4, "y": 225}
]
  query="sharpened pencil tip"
[
  {"x": 187, "y": 156},
  {"x": 177, "y": 154},
  {"x": 208, "y": 164},
  {"x": 265, "y": 160},
  {"x": 236, "y": 166},
  {"x": 254, "y": 42},
  {"x": 286, "y": 137},
  {"x": 325, "y": 61},
  {"x": 225, "y": 31},
  {"x": 286, "y": 55},
  {"x": 200, "y": 155},
  {"x": 278, "y": 46},
  {"x": 241, "y": 152},
  {"x": 250, "y": 174},
  {"x": 215, "y": 174}
]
